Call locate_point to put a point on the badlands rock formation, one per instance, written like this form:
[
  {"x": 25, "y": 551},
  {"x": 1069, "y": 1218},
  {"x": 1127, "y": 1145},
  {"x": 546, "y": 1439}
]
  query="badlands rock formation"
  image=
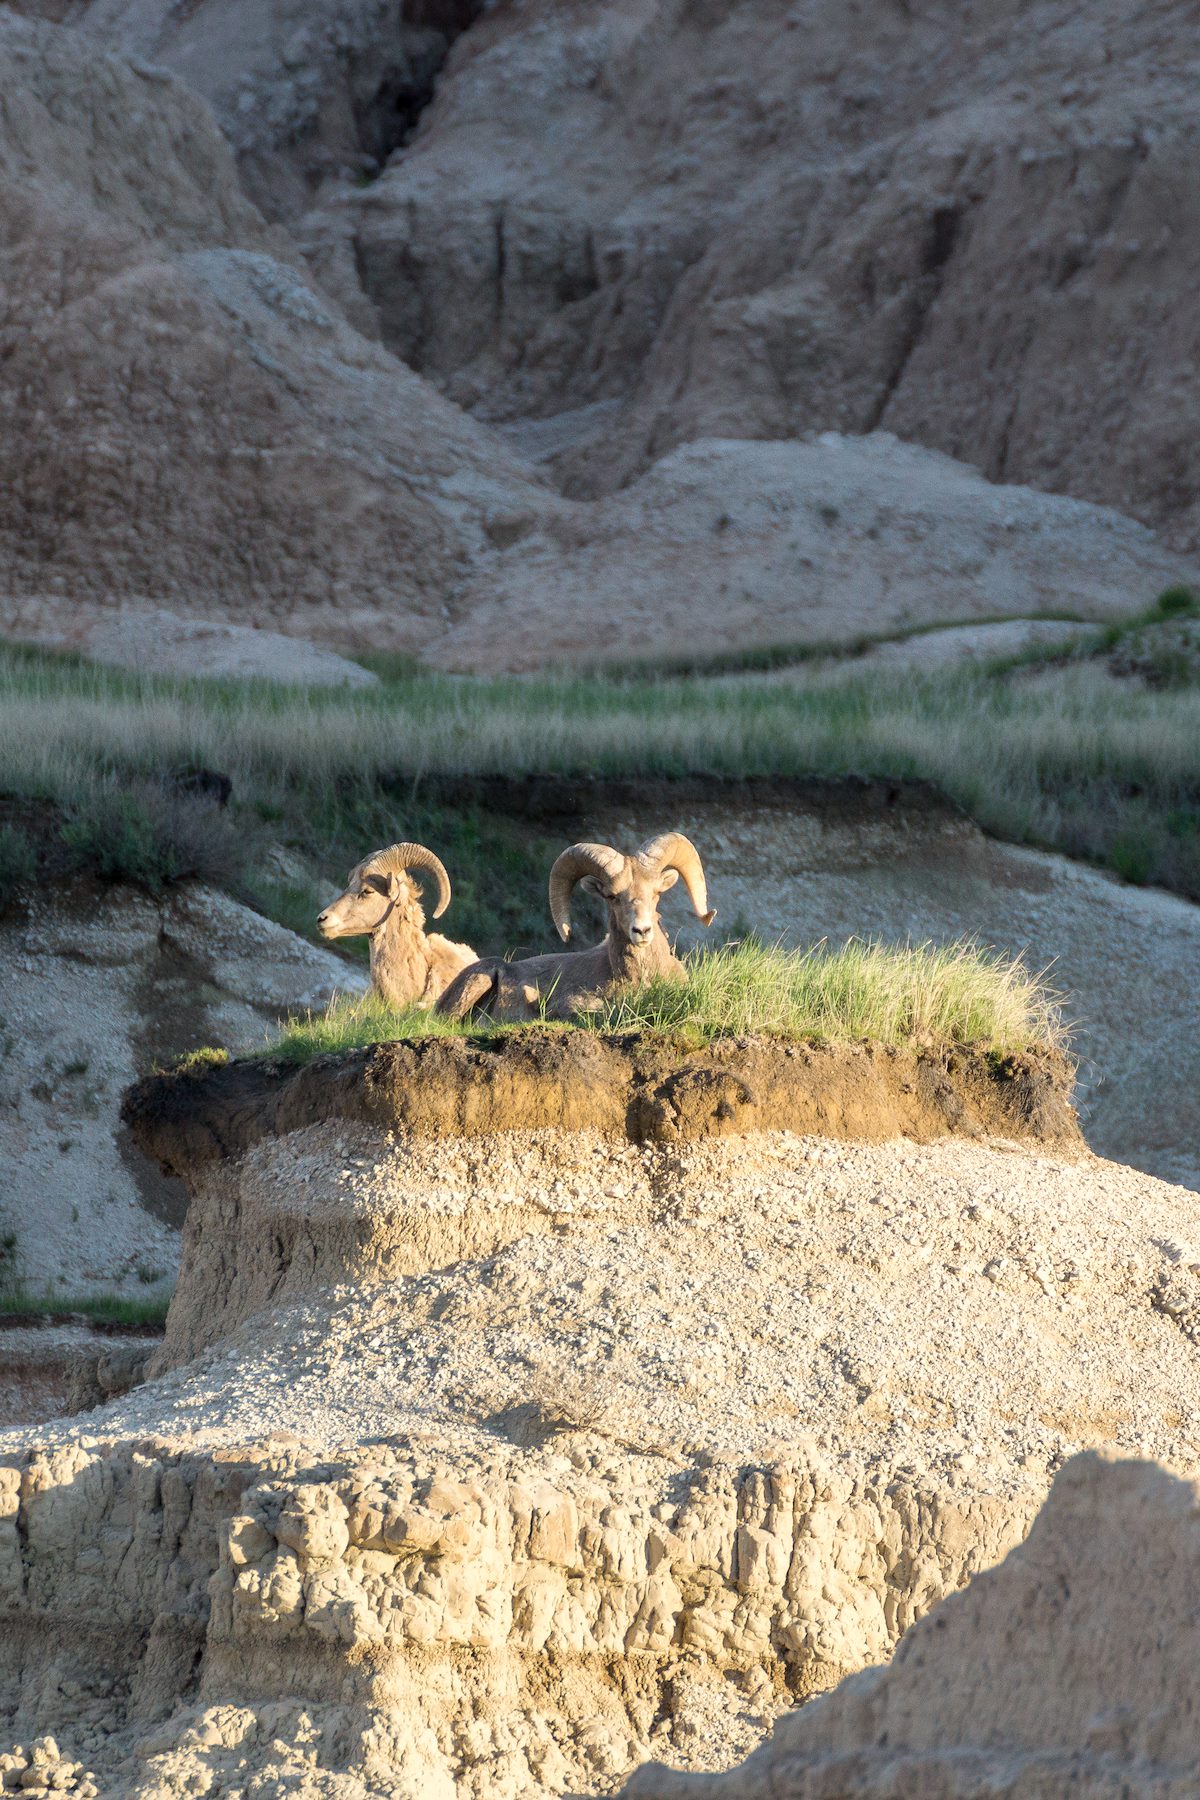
[
  {"x": 183, "y": 418},
  {"x": 93, "y": 995},
  {"x": 487, "y": 1461},
  {"x": 1048, "y": 1676},
  {"x": 189, "y": 423},
  {"x": 964, "y": 223}
]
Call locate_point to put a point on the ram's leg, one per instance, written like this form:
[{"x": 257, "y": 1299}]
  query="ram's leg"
[{"x": 473, "y": 988}]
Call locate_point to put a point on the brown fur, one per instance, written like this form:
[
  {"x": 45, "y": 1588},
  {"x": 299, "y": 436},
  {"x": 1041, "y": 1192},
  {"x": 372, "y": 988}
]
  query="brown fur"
[{"x": 409, "y": 966}]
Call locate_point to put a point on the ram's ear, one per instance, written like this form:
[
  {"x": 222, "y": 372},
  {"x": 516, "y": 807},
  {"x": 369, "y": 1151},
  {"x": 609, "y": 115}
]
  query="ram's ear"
[
  {"x": 667, "y": 879},
  {"x": 594, "y": 885}
]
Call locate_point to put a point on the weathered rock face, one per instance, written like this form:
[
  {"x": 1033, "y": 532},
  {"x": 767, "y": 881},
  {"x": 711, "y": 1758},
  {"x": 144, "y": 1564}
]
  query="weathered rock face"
[
  {"x": 390, "y": 1626},
  {"x": 965, "y": 224},
  {"x": 93, "y": 993},
  {"x": 183, "y": 419},
  {"x": 1066, "y": 1670},
  {"x": 190, "y": 428},
  {"x": 302, "y": 91},
  {"x": 503, "y": 1459}
]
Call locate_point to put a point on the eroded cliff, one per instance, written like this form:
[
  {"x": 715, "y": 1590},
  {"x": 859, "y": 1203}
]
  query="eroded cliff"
[{"x": 483, "y": 1459}]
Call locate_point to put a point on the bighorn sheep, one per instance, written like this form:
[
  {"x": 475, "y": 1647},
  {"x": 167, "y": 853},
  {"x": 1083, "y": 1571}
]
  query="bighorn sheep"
[
  {"x": 408, "y": 966},
  {"x": 634, "y": 949}
]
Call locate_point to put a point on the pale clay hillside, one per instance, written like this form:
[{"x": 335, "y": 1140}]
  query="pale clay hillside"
[{"x": 477, "y": 475}]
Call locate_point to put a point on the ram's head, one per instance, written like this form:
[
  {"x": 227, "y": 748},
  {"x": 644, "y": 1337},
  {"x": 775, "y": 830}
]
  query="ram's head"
[
  {"x": 630, "y": 886},
  {"x": 381, "y": 886}
]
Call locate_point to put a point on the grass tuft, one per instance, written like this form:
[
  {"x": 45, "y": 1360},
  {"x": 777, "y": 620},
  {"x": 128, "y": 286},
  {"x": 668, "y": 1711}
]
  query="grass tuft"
[
  {"x": 207, "y": 1056},
  {"x": 927, "y": 995},
  {"x": 353, "y": 1022},
  {"x": 924, "y": 995},
  {"x": 113, "y": 1309}
]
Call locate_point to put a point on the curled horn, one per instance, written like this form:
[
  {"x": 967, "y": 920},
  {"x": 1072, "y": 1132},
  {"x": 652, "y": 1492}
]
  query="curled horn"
[
  {"x": 399, "y": 857},
  {"x": 673, "y": 851},
  {"x": 580, "y": 860}
]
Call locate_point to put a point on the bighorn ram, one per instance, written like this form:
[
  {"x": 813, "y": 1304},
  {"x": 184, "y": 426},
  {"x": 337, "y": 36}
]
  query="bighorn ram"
[
  {"x": 408, "y": 967},
  {"x": 634, "y": 948}
]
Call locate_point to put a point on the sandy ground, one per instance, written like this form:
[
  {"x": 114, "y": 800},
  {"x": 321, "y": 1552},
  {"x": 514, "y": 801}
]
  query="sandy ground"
[{"x": 716, "y": 1299}]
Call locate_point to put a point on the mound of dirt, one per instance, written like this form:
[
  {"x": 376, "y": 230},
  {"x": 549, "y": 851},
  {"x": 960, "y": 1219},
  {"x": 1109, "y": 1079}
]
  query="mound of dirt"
[
  {"x": 161, "y": 643},
  {"x": 503, "y": 1459},
  {"x": 1047, "y": 1676},
  {"x": 726, "y": 544}
]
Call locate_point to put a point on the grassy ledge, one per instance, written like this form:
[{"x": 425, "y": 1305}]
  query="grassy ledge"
[{"x": 923, "y": 996}]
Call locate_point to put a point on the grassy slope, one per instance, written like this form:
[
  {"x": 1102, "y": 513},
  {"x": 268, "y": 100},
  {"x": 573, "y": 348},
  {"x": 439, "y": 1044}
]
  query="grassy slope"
[{"x": 1053, "y": 752}]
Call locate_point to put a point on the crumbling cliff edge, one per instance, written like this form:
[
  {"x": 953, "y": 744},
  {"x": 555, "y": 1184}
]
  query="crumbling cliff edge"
[{"x": 533, "y": 1406}]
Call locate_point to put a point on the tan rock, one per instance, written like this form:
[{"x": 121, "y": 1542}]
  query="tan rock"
[{"x": 1047, "y": 1674}]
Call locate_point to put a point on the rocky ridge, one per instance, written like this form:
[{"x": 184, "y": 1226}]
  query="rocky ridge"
[
  {"x": 195, "y": 426},
  {"x": 526, "y": 1454}
]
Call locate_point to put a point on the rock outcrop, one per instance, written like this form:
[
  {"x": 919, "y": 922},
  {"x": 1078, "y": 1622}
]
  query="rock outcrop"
[
  {"x": 502, "y": 1459},
  {"x": 1068, "y": 1669},
  {"x": 663, "y": 221},
  {"x": 190, "y": 426},
  {"x": 95, "y": 992},
  {"x": 184, "y": 419}
]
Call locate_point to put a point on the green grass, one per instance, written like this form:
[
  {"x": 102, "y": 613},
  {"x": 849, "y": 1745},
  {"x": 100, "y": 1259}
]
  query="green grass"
[
  {"x": 916, "y": 995},
  {"x": 113, "y": 1309},
  {"x": 1063, "y": 757}
]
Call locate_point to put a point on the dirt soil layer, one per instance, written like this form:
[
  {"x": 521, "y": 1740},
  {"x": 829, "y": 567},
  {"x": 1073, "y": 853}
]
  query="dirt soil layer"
[{"x": 633, "y": 1086}]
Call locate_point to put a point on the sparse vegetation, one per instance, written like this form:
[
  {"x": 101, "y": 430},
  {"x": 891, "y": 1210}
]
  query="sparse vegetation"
[
  {"x": 206, "y": 1057},
  {"x": 926, "y": 995},
  {"x": 149, "y": 835},
  {"x": 19, "y": 1301},
  {"x": 1060, "y": 756},
  {"x": 18, "y": 859}
]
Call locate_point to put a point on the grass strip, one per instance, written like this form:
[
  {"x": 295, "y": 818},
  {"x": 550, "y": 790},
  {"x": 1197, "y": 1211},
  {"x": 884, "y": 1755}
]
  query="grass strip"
[{"x": 918, "y": 995}]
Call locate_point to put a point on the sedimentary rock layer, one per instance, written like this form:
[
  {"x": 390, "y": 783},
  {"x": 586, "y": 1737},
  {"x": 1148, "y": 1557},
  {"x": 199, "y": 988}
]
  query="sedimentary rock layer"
[
  {"x": 483, "y": 1459},
  {"x": 1069, "y": 1669}
]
